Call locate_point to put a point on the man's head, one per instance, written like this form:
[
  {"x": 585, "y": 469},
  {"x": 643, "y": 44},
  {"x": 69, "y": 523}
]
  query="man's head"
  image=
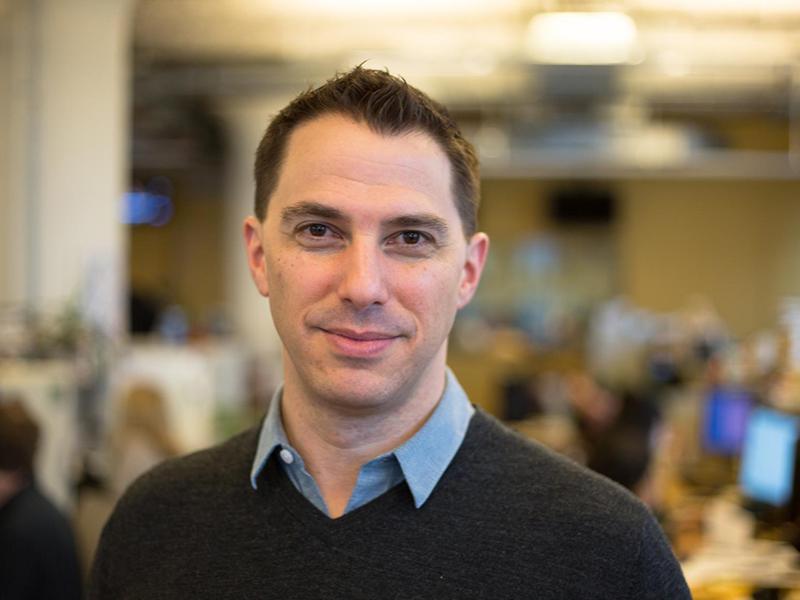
[
  {"x": 387, "y": 105},
  {"x": 362, "y": 250}
]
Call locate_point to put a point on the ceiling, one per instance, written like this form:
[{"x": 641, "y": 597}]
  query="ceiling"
[{"x": 689, "y": 61}]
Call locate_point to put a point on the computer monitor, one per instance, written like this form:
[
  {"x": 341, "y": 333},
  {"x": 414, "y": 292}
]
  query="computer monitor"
[
  {"x": 725, "y": 420},
  {"x": 767, "y": 471}
]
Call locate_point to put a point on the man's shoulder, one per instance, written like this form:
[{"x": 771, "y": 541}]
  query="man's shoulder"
[
  {"x": 195, "y": 475},
  {"x": 526, "y": 474},
  {"x": 172, "y": 514},
  {"x": 590, "y": 534}
]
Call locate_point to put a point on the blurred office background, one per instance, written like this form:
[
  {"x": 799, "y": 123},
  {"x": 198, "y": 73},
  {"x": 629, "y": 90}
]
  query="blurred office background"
[{"x": 640, "y": 311}]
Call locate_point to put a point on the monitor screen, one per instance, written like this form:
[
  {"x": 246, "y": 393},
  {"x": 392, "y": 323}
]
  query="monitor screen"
[
  {"x": 725, "y": 421},
  {"x": 767, "y": 470}
]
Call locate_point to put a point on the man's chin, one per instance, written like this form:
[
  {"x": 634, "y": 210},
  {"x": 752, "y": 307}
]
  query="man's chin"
[{"x": 361, "y": 389}]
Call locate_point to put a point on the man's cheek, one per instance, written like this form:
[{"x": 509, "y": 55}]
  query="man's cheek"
[{"x": 438, "y": 291}]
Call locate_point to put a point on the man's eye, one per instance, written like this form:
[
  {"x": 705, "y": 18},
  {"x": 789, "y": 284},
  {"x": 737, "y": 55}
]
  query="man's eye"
[
  {"x": 411, "y": 237},
  {"x": 412, "y": 243},
  {"x": 317, "y": 235},
  {"x": 317, "y": 230}
]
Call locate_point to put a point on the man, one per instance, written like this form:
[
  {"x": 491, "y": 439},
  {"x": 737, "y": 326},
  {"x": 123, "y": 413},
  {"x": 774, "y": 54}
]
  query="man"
[
  {"x": 372, "y": 476},
  {"x": 38, "y": 558}
]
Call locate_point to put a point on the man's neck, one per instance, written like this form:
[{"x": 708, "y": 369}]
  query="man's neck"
[{"x": 335, "y": 445}]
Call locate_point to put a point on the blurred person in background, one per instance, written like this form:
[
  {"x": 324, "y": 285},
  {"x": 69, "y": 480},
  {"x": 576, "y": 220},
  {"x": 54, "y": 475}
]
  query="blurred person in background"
[
  {"x": 38, "y": 558},
  {"x": 142, "y": 437},
  {"x": 618, "y": 432},
  {"x": 624, "y": 451},
  {"x": 372, "y": 474}
]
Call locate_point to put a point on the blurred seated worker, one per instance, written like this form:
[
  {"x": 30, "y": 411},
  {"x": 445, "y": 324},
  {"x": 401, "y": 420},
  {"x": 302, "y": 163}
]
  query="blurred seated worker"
[
  {"x": 617, "y": 431},
  {"x": 372, "y": 475},
  {"x": 595, "y": 408},
  {"x": 623, "y": 454},
  {"x": 142, "y": 438},
  {"x": 38, "y": 557}
]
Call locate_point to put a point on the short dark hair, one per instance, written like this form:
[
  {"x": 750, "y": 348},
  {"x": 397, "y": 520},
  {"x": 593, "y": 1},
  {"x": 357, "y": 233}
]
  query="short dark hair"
[
  {"x": 389, "y": 106},
  {"x": 19, "y": 437}
]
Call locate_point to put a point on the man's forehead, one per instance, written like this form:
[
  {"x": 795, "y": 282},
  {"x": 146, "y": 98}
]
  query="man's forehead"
[
  {"x": 334, "y": 154},
  {"x": 336, "y": 140}
]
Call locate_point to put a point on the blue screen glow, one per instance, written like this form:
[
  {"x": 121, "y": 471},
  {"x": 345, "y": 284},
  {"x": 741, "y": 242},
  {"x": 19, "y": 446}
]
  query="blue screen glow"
[{"x": 768, "y": 458}]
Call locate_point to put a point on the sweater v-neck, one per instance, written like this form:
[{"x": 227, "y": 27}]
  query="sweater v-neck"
[
  {"x": 303, "y": 510},
  {"x": 396, "y": 501}
]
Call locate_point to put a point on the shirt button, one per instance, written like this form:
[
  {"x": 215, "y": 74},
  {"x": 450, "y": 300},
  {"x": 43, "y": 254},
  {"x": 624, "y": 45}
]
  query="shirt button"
[{"x": 286, "y": 456}]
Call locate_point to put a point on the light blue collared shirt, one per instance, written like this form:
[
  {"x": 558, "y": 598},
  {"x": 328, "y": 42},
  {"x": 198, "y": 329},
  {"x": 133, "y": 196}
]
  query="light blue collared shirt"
[{"x": 420, "y": 461}]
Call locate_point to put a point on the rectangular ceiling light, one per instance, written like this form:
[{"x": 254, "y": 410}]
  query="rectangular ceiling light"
[{"x": 582, "y": 38}]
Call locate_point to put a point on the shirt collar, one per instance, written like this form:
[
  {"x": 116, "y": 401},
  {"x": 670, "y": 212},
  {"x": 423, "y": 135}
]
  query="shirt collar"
[
  {"x": 423, "y": 458},
  {"x": 272, "y": 436}
]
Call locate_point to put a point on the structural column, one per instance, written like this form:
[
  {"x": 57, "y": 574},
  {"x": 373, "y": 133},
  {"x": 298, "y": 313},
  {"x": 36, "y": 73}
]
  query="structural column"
[
  {"x": 245, "y": 120},
  {"x": 64, "y": 134}
]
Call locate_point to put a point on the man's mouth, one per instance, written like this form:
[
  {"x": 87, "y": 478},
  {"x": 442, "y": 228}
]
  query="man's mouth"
[
  {"x": 361, "y": 336},
  {"x": 355, "y": 343}
]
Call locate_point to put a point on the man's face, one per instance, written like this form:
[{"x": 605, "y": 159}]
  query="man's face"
[{"x": 364, "y": 260}]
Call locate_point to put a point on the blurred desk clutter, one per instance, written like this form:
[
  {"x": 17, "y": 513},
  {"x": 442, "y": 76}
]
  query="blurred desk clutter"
[{"x": 732, "y": 555}]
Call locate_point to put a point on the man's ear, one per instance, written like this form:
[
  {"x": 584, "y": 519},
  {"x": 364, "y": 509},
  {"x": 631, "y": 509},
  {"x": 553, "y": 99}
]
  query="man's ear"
[
  {"x": 477, "y": 250},
  {"x": 254, "y": 246}
]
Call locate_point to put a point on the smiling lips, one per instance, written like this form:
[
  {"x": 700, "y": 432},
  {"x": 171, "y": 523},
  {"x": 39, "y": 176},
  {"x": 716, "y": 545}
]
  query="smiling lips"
[{"x": 359, "y": 344}]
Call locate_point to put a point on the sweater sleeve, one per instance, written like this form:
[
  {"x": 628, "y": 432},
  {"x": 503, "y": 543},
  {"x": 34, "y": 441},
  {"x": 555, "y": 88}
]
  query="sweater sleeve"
[{"x": 656, "y": 573}]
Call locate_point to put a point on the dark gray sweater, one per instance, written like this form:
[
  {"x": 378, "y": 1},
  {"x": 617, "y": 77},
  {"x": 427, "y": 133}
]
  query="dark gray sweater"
[{"x": 509, "y": 519}]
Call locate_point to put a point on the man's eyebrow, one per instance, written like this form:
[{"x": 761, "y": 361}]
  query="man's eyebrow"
[
  {"x": 420, "y": 221},
  {"x": 311, "y": 209}
]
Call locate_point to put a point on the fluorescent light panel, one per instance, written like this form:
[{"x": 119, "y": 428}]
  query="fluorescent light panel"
[{"x": 584, "y": 38}]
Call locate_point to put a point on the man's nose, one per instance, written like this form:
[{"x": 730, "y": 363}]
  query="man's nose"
[{"x": 363, "y": 278}]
